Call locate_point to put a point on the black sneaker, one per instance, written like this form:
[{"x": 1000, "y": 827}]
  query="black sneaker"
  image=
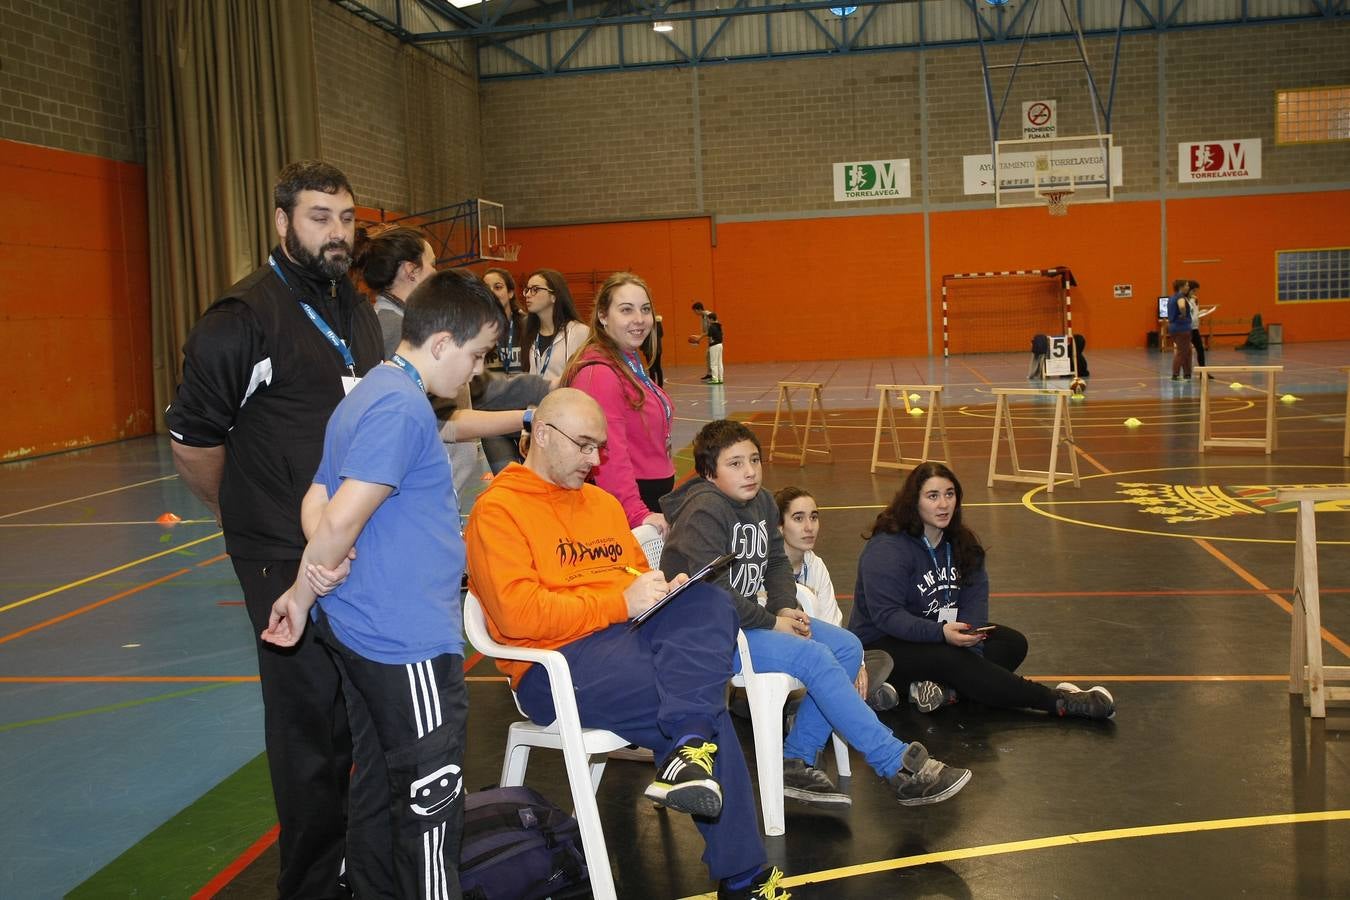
[
  {"x": 764, "y": 886},
  {"x": 706, "y": 378},
  {"x": 810, "y": 785},
  {"x": 923, "y": 780},
  {"x": 1094, "y": 703},
  {"x": 883, "y": 697},
  {"x": 684, "y": 781},
  {"x": 929, "y": 696}
]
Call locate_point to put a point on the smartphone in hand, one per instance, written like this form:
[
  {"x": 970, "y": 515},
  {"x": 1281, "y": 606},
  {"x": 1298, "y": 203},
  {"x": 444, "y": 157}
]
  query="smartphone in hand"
[{"x": 983, "y": 629}]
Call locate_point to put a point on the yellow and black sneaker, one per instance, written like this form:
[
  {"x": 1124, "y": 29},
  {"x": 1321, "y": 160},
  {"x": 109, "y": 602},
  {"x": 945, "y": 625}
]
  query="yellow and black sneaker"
[
  {"x": 764, "y": 886},
  {"x": 684, "y": 780}
]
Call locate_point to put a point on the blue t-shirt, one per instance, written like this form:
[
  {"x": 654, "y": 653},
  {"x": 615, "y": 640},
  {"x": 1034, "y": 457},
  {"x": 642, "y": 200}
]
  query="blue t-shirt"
[{"x": 401, "y": 602}]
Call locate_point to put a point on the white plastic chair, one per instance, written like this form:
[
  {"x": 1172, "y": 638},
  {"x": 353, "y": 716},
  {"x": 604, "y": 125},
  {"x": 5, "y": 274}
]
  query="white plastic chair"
[
  {"x": 766, "y": 693},
  {"x": 579, "y": 745}
]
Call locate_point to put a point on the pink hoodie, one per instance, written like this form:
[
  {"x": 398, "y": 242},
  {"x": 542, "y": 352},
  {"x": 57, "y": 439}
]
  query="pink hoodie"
[{"x": 638, "y": 438}]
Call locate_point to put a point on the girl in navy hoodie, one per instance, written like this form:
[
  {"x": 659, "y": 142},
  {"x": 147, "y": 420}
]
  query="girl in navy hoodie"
[{"x": 922, "y": 595}]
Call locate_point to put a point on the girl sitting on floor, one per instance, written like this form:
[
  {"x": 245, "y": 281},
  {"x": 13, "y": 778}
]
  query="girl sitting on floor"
[{"x": 923, "y": 596}]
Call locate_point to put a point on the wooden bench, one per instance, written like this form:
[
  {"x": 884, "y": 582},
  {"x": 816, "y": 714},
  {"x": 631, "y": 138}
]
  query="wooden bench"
[{"x": 1235, "y": 326}]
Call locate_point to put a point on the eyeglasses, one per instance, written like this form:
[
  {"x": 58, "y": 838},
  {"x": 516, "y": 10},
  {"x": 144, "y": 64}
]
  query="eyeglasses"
[
  {"x": 531, "y": 289},
  {"x": 586, "y": 448}
]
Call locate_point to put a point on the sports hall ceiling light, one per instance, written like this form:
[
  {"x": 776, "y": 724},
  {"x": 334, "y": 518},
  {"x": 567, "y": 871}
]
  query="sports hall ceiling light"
[
  {"x": 460, "y": 4},
  {"x": 662, "y": 26}
]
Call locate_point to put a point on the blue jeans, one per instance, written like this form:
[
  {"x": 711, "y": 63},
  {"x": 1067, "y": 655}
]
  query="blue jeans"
[
  {"x": 657, "y": 684},
  {"x": 827, "y": 664}
]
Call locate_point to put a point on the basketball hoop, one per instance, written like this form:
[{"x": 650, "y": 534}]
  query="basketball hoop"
[
  {"x": 505, "y": 252},
  {"x": 1057, "y": 201}
]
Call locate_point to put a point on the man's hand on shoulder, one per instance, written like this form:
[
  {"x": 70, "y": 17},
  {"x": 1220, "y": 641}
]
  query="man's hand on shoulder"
[{"x": 647, "y": 589}]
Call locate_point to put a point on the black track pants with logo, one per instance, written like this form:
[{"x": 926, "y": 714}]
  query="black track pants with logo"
[{"x": 407, "y": 790}]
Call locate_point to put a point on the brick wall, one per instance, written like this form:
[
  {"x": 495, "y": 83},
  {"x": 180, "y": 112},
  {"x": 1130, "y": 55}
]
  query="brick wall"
[
  {"x": 70, "y": 76},
  {"x": 1221, "y": 84},
  {"x": 613, "y": 146},
  {"x": 591, "y": 147},
  {"x": 402, "y": 124}
]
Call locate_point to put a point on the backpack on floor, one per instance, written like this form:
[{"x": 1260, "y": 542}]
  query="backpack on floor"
[{"x": 517, "y": 845}]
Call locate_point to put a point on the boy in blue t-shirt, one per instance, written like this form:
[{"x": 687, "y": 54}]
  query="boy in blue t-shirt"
[{"x": 393, "y": 627}]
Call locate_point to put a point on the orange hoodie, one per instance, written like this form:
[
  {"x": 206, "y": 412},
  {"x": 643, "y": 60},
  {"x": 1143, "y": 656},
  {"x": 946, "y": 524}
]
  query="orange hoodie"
[{"x": 547, "y": 562}]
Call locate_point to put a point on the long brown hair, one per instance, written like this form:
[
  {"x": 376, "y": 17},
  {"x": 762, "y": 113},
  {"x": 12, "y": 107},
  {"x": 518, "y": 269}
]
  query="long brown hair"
[
  {"x": 605, "y": 345},
  {"x": 902, "y": 517},
  {"x": 564, "y": 311}
]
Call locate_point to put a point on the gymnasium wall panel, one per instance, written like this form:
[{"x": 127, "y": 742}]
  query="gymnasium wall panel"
[{"x": 76, "y": 311}]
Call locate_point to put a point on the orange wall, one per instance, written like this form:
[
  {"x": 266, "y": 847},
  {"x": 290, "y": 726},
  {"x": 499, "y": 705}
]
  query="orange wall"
[
  {"x": 1243, "y": 233},
  {"x": 853, "y": 287},
  {"x": 674, "y": 257},
  {"x": 75, "y": 309}
]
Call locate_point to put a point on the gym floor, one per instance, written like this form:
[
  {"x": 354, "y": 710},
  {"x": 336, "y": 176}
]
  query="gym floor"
[{"x": 131, "y": 726}]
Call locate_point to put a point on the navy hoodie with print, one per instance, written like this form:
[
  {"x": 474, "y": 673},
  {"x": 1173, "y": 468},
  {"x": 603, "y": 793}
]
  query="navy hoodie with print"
[
  {"x": 900, "y": 590},
  {"x": 705, "y": 523}
]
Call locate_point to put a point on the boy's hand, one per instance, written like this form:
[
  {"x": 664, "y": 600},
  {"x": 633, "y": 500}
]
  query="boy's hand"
[
  {"x": 646, "y": 589},
  {"x": 793, "y": 621},
  {"x": 861, "y": 682},
  {"x": 323, "y": 580},
  {"x": 286, "y": 625}
]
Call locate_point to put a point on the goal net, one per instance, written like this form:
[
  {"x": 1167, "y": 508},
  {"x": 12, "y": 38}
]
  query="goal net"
[{"x": 999, "y": 312}]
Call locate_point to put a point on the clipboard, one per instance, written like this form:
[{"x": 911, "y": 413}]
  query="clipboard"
[{"x": 701, "y": 575}]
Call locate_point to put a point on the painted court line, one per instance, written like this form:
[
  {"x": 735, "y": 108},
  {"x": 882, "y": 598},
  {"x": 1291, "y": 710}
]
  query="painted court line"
[
  {"x": 135, "y": 562},
  {"x": 242, "y": 862},
  {"x": 1062, "y": 840},
  {"x": 111, "y": 707},
  {"x": 100, "y": 524},
  {"x": 88, "y": 607},
  {"x": 1269, "y": 593},
  {"x": 125, "y": 487}
]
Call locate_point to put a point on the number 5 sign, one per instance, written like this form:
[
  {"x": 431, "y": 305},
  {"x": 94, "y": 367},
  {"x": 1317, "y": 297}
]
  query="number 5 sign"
[{"x": 1059, "y": 362}]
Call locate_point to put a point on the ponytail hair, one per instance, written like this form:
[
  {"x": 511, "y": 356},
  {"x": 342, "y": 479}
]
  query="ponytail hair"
[{"x": 379, "y": 252}]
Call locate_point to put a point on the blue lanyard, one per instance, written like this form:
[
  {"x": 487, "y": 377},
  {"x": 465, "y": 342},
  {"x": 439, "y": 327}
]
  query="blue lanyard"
[
  {"x": 801, "y": 576},
  {"x": 947, "y": 589},
  {"x": 545, "y": 357},
  {"x": 410, "y": 370},
  {"x": 660, "y": 395},
  {"x": 318, "y": 321}
]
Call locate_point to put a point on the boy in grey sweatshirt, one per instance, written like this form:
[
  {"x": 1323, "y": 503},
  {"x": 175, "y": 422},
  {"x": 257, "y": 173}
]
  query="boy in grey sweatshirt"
[{"x": 727, "y": 510}]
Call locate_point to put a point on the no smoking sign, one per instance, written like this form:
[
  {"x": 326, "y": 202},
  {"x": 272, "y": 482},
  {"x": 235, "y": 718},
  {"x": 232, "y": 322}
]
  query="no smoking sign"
[{"x": 1039, "y": 119}]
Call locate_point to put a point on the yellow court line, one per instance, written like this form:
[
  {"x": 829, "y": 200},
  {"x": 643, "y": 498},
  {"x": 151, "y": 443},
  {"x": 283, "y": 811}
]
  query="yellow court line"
[
  {"x": 97, "y": 524},
  {"x": 135, "y": 562},
  {"x": 1157, "y": 678},
  {"x": 1029, "y": 502},
  {"x": 88, "y": 496},
  {"x": 1270, "y": 592},
  {"x": 1061, "y": 840}
]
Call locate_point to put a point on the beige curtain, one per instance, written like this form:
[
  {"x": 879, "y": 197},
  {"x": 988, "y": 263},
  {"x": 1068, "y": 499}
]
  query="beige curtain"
[{"x": 230, "y": 99}]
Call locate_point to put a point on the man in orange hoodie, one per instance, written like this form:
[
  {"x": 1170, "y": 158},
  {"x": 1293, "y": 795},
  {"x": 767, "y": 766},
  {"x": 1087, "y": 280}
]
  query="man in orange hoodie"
[{"x": 553, "y": 561}]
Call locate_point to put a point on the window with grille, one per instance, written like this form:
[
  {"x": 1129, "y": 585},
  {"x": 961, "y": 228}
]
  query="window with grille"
[
  {"x": 1304, "y": 275},
  {"x": 1313, "y": 115}
]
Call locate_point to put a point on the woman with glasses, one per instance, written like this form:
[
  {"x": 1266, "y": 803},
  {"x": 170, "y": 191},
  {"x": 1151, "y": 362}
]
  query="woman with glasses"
[
  {"x": 553, "y": 330},
  {"x": 637, "y": 468}
]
